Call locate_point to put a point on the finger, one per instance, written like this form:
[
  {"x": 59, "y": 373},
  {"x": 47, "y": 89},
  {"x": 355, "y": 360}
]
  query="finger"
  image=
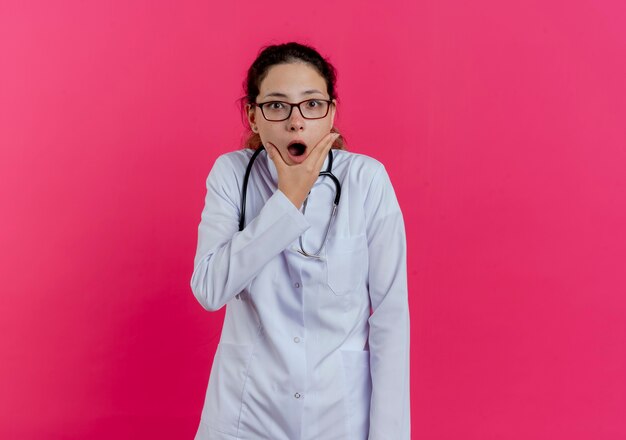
[
  {"x": 323, "y": 146},
  {"x": 320, "y": 149},
  {"x": 275, "y": 155}
]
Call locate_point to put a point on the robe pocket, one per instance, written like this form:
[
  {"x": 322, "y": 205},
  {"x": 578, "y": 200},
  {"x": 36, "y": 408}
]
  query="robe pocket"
[
  {"x": 346, "y": 263},
  {"x": 226, "y": 385},
  {"x": 356, "y": 365}
]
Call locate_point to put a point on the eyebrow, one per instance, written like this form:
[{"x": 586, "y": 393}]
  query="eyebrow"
[{"x": 282, "y": 95}]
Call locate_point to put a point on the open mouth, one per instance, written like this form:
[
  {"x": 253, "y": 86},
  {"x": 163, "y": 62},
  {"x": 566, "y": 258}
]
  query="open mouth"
[{"x": 296, "y": 149}]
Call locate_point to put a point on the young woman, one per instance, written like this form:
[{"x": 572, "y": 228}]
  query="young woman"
[{"x": 304, "y": 243}]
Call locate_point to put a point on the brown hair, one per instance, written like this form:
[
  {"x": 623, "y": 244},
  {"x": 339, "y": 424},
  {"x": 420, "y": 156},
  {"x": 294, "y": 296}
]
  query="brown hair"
[{"x": 283, "y": 54}]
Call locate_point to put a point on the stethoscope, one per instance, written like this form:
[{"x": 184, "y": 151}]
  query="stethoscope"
[{"x": 328, "y": 172}]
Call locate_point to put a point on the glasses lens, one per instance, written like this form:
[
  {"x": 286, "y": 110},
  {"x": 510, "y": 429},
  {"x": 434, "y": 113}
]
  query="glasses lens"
[
  {"x": 276, "y": 110},
  {"x": 314, "y": 108}
]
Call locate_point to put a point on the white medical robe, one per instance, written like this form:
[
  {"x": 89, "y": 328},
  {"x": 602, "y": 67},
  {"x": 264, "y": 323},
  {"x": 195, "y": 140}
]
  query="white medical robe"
[{"x": 310, "y": 349}]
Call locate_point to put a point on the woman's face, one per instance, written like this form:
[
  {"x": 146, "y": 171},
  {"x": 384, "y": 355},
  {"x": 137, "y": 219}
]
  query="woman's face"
[{"x": 293, "y": 83}]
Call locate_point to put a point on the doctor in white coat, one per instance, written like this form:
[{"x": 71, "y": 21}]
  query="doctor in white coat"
[{"x": 315, "y": 341}]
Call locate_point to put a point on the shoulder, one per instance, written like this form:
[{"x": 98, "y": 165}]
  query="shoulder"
[
  {"x": 233, "y": 160},
  {"x": 226, "y": 174},
  {"x": 228, "y": 167},
  {"x": 374, "y": 183},
  {"x": 360, "y": 168},
  {"x": 358, "y": 162}
]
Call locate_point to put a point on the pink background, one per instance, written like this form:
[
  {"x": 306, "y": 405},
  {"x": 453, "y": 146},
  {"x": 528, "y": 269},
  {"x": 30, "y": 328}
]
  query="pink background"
[{"x": 502, "y": 125}]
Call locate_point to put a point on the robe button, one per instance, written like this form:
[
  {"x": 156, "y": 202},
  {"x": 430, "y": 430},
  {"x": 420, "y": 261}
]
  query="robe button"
[
  {"x": 297, "y": 285},
  {"x": 297, "y": 395},
  {"x": 296, "y": 339}
]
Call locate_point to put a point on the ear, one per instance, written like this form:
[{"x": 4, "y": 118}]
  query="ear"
[
  {"x": 250, "y": 112},
  {"x": 333, "y": 110}
]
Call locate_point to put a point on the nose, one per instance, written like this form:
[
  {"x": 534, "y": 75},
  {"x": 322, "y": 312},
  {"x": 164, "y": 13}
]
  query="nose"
[{"x": 296, "y": 120}]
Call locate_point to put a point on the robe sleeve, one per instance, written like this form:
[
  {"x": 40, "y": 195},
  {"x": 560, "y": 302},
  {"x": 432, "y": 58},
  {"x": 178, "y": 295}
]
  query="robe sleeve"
[
  {"x": 389, "y": 333},
  {"x": 227, "y": 259}
]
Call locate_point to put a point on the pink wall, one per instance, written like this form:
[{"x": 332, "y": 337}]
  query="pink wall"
[{"x": 502, "y": 127}]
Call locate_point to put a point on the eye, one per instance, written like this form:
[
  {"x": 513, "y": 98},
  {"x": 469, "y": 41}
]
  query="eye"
[
  {"x": 275, "y": 105},
  {"x": 313, "y": 103}
]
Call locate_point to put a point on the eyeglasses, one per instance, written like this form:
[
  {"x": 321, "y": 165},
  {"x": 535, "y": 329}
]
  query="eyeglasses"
[{"x": 276, "y": 111}]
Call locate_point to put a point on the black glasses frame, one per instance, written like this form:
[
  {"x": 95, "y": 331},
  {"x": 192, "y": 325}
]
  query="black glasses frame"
[{"x": 263, "y": 104}]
